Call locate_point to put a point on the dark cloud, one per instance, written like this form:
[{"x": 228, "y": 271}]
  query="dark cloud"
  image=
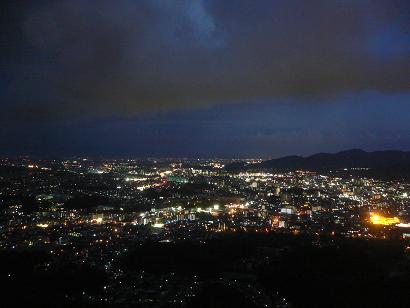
[
  {"x": 71, "y": 58},
  {"x": 367, "y": 120}
]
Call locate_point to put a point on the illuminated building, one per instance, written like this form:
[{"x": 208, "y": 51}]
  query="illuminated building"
[
  {"x": 97, "y": 218},
  {"x": 385, "y": 221},
  {"x": 42, "y": 225}
]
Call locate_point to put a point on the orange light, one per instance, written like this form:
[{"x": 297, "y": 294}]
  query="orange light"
[{"x": 385, "y": 221}]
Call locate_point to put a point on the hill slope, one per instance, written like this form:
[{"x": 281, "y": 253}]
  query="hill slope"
[{"x": 395, "y": 164}]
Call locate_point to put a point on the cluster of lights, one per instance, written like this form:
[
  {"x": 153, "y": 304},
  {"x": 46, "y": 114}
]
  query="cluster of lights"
[
  {"x": 97, "y": 220},
  {"x": 377, "y": 219},
  {"x": 42, "y": 226}
]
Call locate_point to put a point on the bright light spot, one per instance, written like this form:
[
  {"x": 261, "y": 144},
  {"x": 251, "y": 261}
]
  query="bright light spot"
[
  {"x": 97, "y": 220},
  {"x": 385, "y": 221}
]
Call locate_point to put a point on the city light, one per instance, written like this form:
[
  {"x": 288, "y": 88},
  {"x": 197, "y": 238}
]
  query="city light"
[
  {"x": 42, "y": 225},
  {"x": 378, "y": 219},
  {"x": 158, "y": 225},
  {"x": 97, "y": 220}
]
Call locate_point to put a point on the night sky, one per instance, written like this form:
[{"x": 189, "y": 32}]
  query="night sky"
[{"x": 203, "y": 78}]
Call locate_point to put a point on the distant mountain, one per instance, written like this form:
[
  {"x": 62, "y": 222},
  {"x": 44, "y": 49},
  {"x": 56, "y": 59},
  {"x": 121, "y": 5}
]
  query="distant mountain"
[{"x": 390, "y": 162}]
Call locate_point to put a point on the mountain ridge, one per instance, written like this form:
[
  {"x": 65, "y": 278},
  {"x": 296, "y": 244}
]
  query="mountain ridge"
[{"x": 390, "y": 161}]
